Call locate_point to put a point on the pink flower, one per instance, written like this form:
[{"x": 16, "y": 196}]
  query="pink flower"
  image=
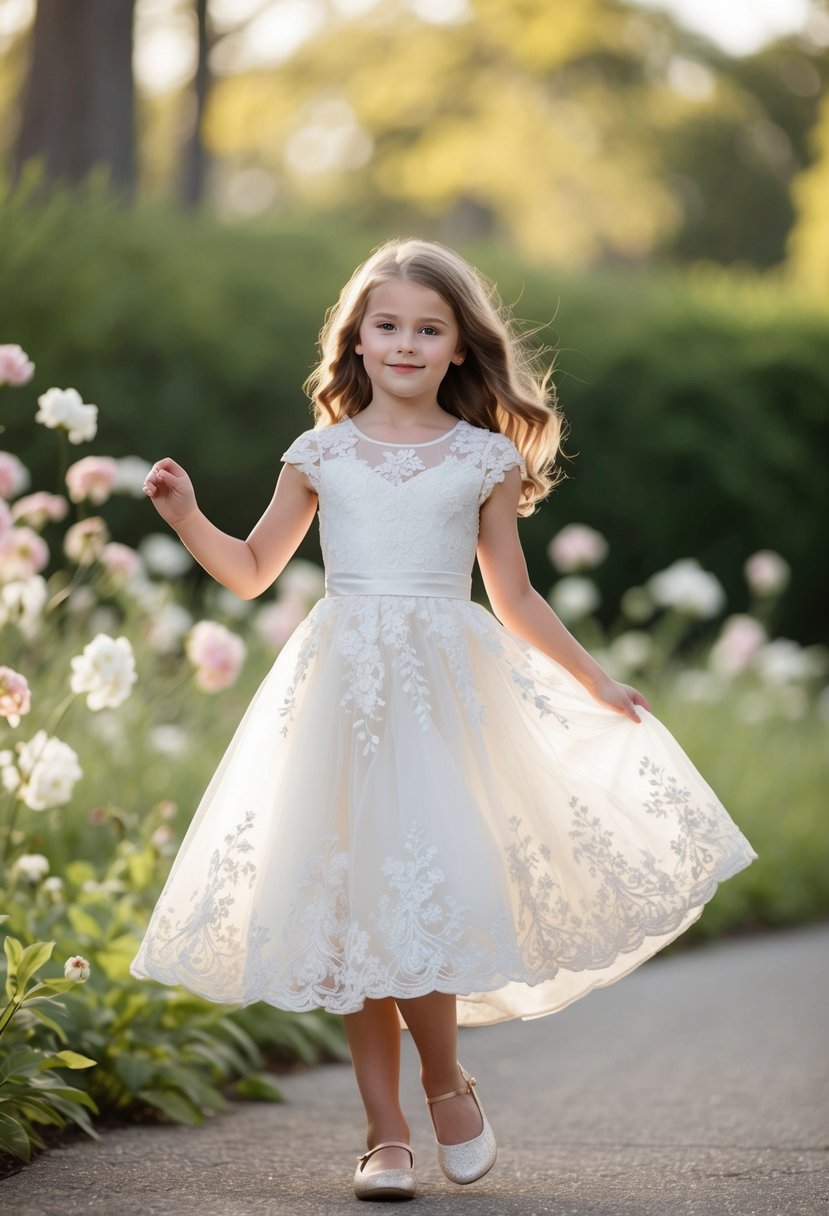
[
  {"x": 84, "y": 541},
  {"x": 767, "y": 573},
  {"x": 40, "y": 508},
  {"x": 216, "y": 653},
  {"x": 577, "y": 547},
  {"x": 76, "y": 968},
  {"x": 6, "y": 518},
  {"x": 92, "y": 478},
  {"x": 740, "y": 639},
  {"x": 121, "y": 560},
  {"x": 15, "y": 697},
  {"x": 15, "y": 365},
  {"x": 14, "y": 476},
  {"x": 22, "y": 554},
  {"x": 277, "y": 621}
]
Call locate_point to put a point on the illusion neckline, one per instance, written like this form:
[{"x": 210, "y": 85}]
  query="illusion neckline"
[{"x": 395, "y": 443}]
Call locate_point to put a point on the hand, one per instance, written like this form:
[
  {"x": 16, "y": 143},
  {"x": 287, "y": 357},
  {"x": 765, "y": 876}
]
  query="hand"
[
  {"x": 171, "y": 491},
  {"x": 621, "y": 697}
]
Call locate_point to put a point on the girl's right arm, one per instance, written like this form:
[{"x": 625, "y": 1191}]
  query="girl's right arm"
[{"x": 246, "y": 567}]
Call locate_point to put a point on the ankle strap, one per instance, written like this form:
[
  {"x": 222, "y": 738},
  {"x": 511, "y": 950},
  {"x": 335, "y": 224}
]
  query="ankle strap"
[
  {"x": 386, "y": 1144},
  {"x": 466, "y": 1090}
]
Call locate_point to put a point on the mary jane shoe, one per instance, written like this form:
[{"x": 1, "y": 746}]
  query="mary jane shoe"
[
  {"x": 385, "y": 1184},
  {"x": 471, "y": 1159}
]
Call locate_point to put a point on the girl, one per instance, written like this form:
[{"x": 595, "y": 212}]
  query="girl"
[{"x": 430, "y": 815}]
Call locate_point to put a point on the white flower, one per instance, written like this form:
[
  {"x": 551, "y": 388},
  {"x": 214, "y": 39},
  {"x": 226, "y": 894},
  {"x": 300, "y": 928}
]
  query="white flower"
[
  {"x": 632, "y": 650},
  {"x": 301, "y": 580},
  {"x": 784, "y": 661},
  {"x": 76, "y": 968},
  {"x": 227, "y": 603},
  {"x": 163, "y": 836},
  {"x": 165, "y": 556},
  {"x": 694, "y": 685},
  {"x": 16, "y": 367},
  {"x": 637, "y": 605},
  {"x": 31, "y": 866},
  {"x": 767, "y": 573},
  {"x": 105, "y": 671},
  {"x": 687, "y": 588},
  {"x": 740, "y": 639},
  {"x": 53, "y": 886},
  {"x": 131, "y": 473},
  {"x": 168, "y": 626},
  {"x": 122, "y": 562},
  {"x": 64, "y": 407},
  {"x": 46, "y": 772},
  {"x": 84, "y": 541},
  {"x": 169, "y": 739},
  {"x": 22, "y": 603},
  {"x": 577, "y": 547},
  {"x": 14, "y": 476},
  {"x": 573, "y": 598},
  {"x": 277, "y": 621}
]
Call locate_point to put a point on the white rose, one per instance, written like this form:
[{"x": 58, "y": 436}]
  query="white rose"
[
  {"x": 105, "y": 671},
  {"x": 46, "y": 772},
  {"x": 573, "y": 598},
  {"x": 301, "y": 580},
  {"x": 686, "y": 587},
  {"x": 31, "y": 866},
  {"x": 64, "y": 407},
  {"x": 130, "y": 475},
  {"x": 168, "y": 626}
]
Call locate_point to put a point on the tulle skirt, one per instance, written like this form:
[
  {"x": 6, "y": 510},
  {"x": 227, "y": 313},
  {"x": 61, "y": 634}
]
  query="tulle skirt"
[{"x": 416, "y": 800}]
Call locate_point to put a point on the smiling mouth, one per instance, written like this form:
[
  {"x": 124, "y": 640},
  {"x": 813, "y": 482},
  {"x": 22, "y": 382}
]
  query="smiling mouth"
[{"x": 407, "y": 367}]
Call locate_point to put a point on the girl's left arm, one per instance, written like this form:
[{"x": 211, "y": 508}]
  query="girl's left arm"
[{"x": 521, "y": 609}]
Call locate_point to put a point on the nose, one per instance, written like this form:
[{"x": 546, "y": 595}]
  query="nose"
[{"x": 405, "y": 342}]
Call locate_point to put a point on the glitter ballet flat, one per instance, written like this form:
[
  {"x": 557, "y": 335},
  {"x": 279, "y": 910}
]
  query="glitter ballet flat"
[
  {"x": 471, "y": 1159},
  {"x": 385, "y": 1184}
]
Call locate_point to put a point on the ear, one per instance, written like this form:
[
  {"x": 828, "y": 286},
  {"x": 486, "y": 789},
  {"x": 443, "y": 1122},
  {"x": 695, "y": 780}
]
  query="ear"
[
  {"x": 459, "y": 357},
  {"x": 358, "y": 349}
]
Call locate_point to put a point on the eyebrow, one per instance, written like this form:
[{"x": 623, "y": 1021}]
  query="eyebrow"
[{"x": 391, "y": 316}]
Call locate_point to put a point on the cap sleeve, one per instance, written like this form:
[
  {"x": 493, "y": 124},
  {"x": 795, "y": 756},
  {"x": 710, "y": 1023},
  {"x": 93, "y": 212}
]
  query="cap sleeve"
[
  {"x": 304, "y": 452},
  {"x": 500, "y": 456}
]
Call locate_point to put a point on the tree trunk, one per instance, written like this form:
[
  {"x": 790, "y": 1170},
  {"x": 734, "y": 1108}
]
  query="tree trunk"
[
  {"x": 194, "y": 157},
  {"x": 78, "y": 100}
]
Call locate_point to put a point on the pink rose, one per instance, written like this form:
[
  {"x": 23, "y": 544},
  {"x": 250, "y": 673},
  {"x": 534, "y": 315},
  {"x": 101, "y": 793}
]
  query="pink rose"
[
  {"x": 40, "y": 508},
  {"x": 15, "y": 697},
  {"x": 767, "y": 573},
  {"x": 6, "y": 518},
  {"x": 92, "y": 478},
  {"x": 15, "y": 365},
  {"x": 216, "y": 653},
  {"x": 22, "y": 554},
  {"x": 741, "y": 638},
  {"x": 14, "y": 476}
]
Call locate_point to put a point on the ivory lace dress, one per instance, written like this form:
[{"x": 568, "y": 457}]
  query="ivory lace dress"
[{"x": 416, "y": 799}]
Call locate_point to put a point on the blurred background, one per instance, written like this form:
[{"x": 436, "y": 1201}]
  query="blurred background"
[
  {"x": 646, "y": 181},
  {"x": 185, "y": 185}
]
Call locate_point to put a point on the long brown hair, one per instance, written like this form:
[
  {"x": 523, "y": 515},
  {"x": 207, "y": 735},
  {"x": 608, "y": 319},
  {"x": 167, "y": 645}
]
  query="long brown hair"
[{"x": 498, "y": 386}]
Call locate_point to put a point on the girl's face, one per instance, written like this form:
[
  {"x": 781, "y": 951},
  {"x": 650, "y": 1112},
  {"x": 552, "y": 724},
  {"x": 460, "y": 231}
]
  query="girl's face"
[{"x": 408, "y": 338}]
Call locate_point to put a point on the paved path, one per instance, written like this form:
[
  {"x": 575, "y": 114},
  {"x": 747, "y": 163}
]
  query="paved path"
[{"x": 697, "y": 1086}]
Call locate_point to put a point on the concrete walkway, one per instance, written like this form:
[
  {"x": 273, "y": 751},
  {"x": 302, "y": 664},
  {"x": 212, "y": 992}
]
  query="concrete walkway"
[{"x": 697, "y": 1086}]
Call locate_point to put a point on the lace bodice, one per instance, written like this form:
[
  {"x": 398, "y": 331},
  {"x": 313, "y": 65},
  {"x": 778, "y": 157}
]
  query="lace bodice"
[{"x": 401, "y": 506}]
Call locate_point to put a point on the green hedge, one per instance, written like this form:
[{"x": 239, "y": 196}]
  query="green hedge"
[{"x": 697, "y": 404}]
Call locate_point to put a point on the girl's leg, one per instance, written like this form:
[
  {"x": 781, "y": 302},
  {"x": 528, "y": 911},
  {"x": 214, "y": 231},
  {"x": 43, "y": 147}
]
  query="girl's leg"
[
  {"x": 373, "y": 1035},
  {"x": 433, "y": 1022}
]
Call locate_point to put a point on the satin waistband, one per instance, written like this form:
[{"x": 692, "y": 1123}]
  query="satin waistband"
[{"x": 442, "y": 583}]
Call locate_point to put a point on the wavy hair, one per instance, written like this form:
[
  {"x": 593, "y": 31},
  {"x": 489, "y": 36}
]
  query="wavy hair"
[{"x": 499, "y": 386}]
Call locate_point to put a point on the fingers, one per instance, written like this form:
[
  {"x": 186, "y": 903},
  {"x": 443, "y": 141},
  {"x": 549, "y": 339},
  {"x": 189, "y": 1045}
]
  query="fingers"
[{"x": 164, "y": 472}]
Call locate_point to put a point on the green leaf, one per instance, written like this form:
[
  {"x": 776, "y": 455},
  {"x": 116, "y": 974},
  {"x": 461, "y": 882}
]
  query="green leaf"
[
  {"x": 69, "y": 1059},
  {"x": 60, "y": 984},
  {"x": 78, "y": 872},
  {"x": 33, "y": 956},
  {"x": 135, "y": 1072},
  {"x": 13, "y": 1138},
  {"x": 259, "y": 1087},
  {"x": 84, "y": 923},
  {"x": 68, "y": 1092},
  {"x": 46, "y": 1020},
  {"x": 21, "y": 1062},
  {"x": 175, "y": 1104}
]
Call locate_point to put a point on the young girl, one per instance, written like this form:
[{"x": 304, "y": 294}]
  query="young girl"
[{"x": 430, "y": 815}]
